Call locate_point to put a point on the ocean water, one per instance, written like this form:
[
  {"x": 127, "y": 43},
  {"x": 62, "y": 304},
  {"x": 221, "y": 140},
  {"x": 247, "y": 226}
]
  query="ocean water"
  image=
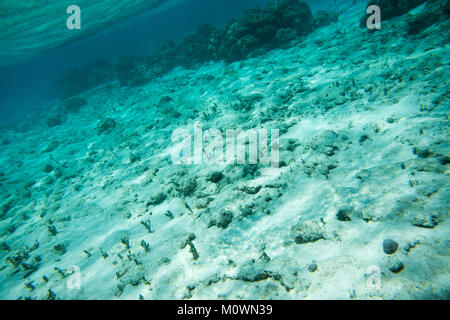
[{"x": 195, "y": 149}]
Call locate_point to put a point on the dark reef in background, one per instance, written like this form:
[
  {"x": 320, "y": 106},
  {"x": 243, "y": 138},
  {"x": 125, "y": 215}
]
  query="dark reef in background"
[
  {"x": 276, "y": 26},
  {"x": 434, "y": 10},
  {"x": 323, "y": 18},
  {"x": 395, "y": 8},
  {"x": 255, "y": 32},
  {"x": 262, "y": 29},
  {"x": 76, "y": 81}
]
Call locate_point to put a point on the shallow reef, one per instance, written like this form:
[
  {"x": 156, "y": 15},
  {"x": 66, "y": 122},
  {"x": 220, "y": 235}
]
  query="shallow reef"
[
  {"x": 361, "y": 192},
  {"x": 279, "y": 24}
]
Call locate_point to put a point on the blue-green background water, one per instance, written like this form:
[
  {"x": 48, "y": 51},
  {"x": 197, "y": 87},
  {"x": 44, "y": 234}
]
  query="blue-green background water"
[{"x": 361, "y": 188}]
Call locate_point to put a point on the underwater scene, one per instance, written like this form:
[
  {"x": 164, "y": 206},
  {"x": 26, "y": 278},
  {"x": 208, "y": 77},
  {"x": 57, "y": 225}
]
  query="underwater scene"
[{"x": 224, "y": 150}]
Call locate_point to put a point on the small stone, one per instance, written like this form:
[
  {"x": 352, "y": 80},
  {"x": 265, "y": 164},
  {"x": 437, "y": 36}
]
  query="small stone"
[
  {"x": 390, "y": 246},
  {"x": 215, "y": 177},
  {"x": 253, "y": 273},
  {"x": 312, "y": 267},
  {"x": 363, "y": 138},
  {"x": 47, "y": 180},
  {"x": 134, "y": 157},
  {"x": 444, "y": 160},
  {"x": 397, "y": 267},
  {"x": 105, "y": 125},
  {"x": 344, "y": 215},
  {"x": 264, "y": 257},
  {"x": 48, "y": 168},
  {"x": 156, "y": 199},
  {"x": 308, "y": 231},
  {"x": 225, "y": 219},
  {"x": 426, "y": 220},
  {"x": 191, "y": 287},
  {"x": 58, "y": 173},
  {"x": 191, "y": 237},
  {"x": 422, "y": 153},
  {"x": 411, "y": 245},
  {"x": 188, "y": 187},
  {"x": 222, "y": 220}
]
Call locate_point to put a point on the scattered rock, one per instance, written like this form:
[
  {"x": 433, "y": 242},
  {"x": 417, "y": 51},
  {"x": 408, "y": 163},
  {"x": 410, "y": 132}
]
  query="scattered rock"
[
  {"x": 51, "y": 146},
  {"x": 48, "y": 168},
  {"x": 426, "y": 219},
  {"x": 249, "y": 170},
  {"x": 60, "y": 248},
  {"x": 411, "y": 245},
  {"x": 221, "y": 220},
  {"x": 252, "y": 275},
  {"x": 253, "y": 272},
  {"x": 396, "y": 267},
  {"x": 47, "y": 180},
  {"x": 312, "y": 267},
  {"x": 363, "y": 138},
  {"x": 191, "y": 237},
  {"x": 250, "y": 189},
  {"x": 344, "y": 215},
  {"x": 390, "y": 120},
  {"x": 444, "y": 160},
  {"x": 247, "y": 210},
  {"x": 215, "y": 177},
  {"x": 421, "y": 153},
  {"x": 188, "y": 242},
  {"x": 156, "y": 199},
  {"x": 106, "y": 125},
  {"x": 188, "y": 187},
  {"x": 390, "y": 246},
  {"x": 134, "y": 158},
  {"x": 326, "y": 142},
  {"x": 308, "y": 231},
  {"x": 264, "y": 257}
]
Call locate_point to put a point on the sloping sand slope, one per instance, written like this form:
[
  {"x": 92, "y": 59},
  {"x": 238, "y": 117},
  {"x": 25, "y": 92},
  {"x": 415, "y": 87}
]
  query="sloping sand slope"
[{"x": 363, "y": 120}]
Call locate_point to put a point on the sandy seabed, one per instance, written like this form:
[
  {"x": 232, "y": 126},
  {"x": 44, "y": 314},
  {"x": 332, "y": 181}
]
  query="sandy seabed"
[{"x": 364, "y": 132}]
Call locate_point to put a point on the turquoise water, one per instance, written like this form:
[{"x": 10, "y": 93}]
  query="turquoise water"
[{"x": 225, "y": 150}]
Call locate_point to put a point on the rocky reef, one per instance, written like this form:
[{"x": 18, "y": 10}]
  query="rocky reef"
[
  {"x": 435, "y": 9},
  {"x": 361, "y": 192},
  {"x": 434, "y": 12},
  {"x": 277, "y": 25}
]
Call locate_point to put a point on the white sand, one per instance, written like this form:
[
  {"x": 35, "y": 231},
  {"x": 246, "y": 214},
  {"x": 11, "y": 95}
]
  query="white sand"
[{"x": 101, "y": 197}]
